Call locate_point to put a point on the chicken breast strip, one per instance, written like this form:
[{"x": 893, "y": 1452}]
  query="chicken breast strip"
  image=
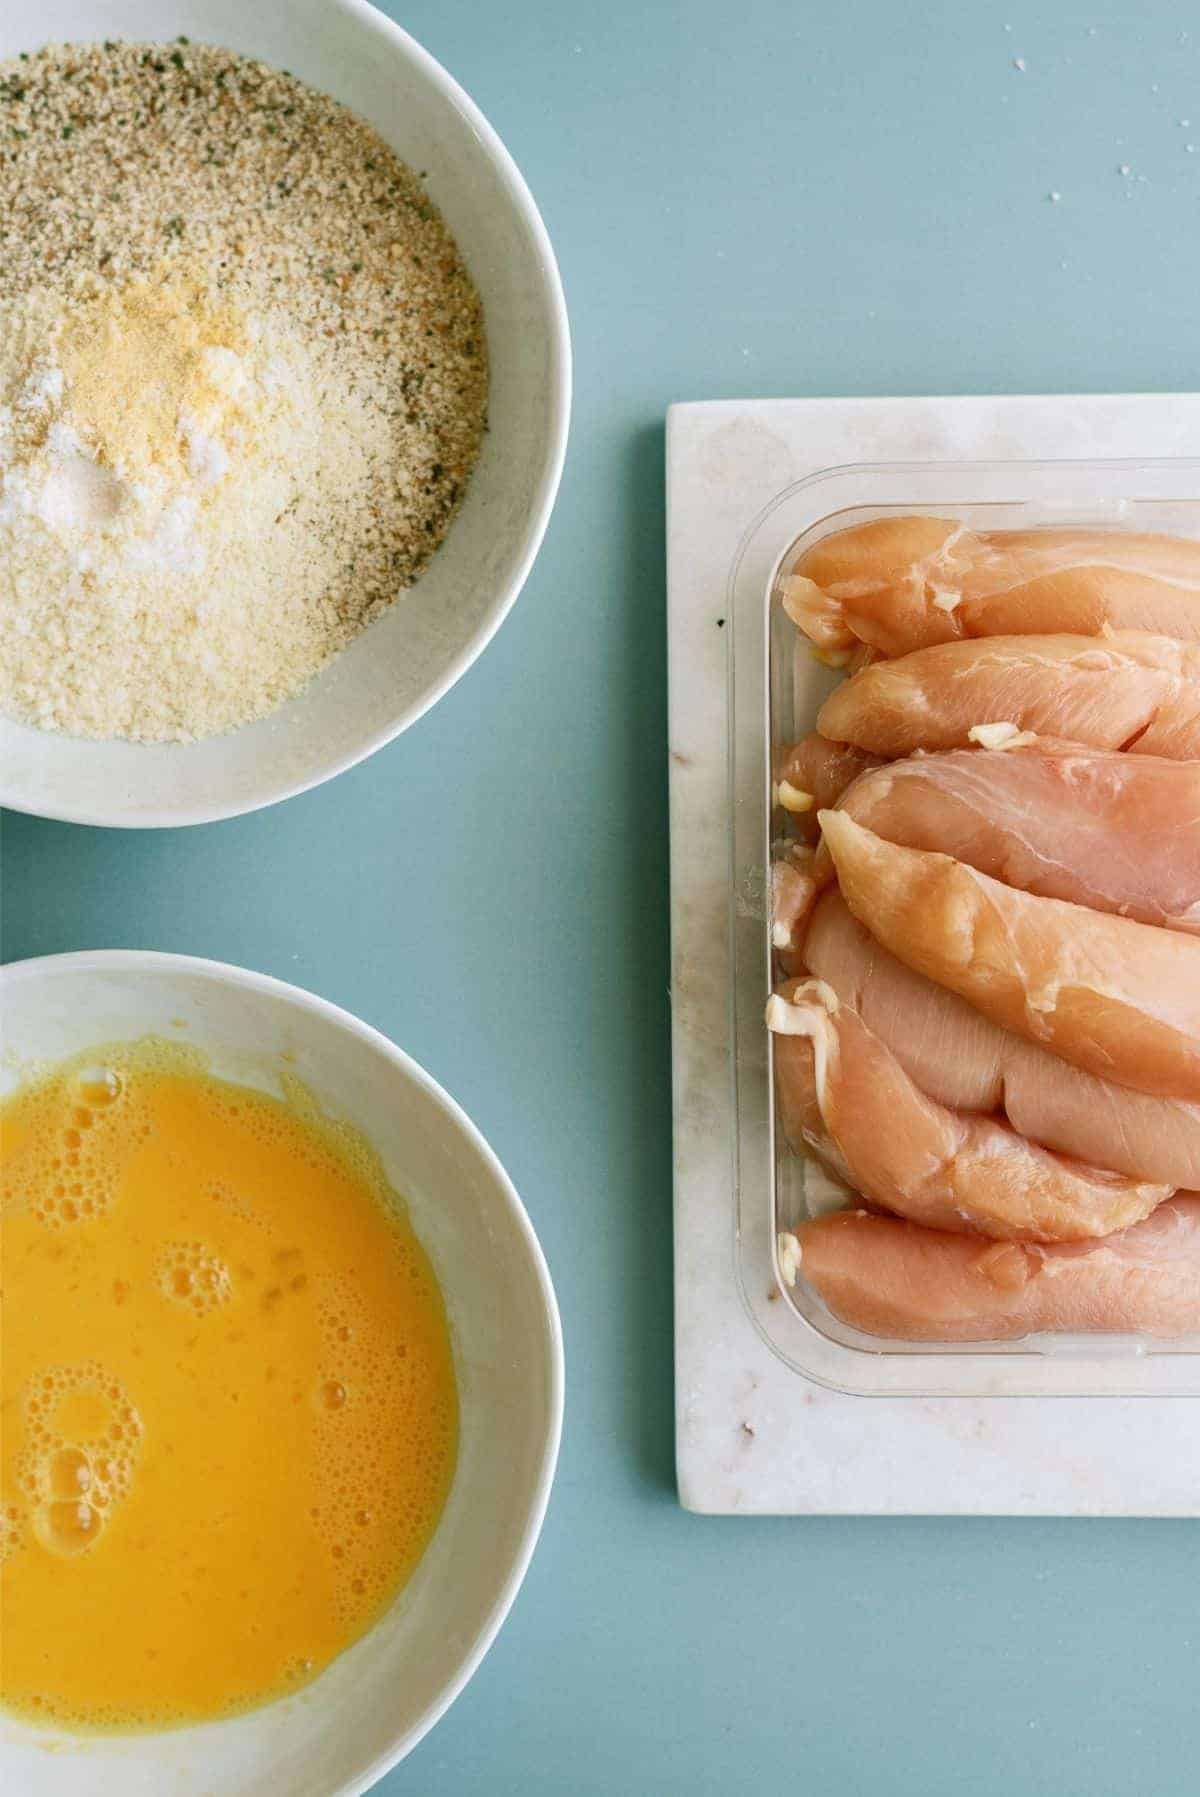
[
  {"x": 793, "y": 891},
  {"x": 906, "y": 583},
  {"x": 845, "y": 1096},
  {"x": 1118, "y": 833},
  {"x": 962, "y": 1060},
  {"x": 810, "y": 774},
  {"x": 1118, "y": 998},
  {"x": 1124, "y": 691},
  {"x": 893, "y": 1278}
]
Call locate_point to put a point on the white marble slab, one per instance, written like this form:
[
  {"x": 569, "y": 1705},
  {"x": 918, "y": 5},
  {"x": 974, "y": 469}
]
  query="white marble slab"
[{"x": 754, "y": 1436}]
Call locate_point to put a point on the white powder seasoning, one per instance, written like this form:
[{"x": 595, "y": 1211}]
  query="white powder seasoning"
[{"x": 242, "y": 385}]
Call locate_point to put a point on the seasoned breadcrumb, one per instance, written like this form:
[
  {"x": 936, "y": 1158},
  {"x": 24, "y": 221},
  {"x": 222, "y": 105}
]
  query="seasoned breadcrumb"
[{"x": 243, "y": 382}]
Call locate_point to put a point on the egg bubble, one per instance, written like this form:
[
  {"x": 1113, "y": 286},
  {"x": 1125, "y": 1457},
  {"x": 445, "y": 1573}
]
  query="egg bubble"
[
  {"x": 99, "y": 1087},
  {"x": 74, "y": 1118},
  {"x": 82, "y": 1441},
  {"x": 68, "y": 1527},
  {"x": 12, "y": 1532},
  {"x": 69, "y": 1473},
  {"x": 190, "y": 1274}
]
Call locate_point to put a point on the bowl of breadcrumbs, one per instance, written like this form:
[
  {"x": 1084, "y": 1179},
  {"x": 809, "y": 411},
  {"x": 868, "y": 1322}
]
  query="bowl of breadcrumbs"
[{"x": 284, "y": 389}]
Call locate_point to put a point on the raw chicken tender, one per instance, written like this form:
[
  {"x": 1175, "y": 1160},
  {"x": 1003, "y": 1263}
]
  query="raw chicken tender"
[
  {"x": 1118, "y": 998},
  {"x": 1116, "y": 832},
  {"x": 1122, "y": 691},
  {"x": 792, "y": 893},
  {"x": 892, "y": 1278},
  {"x": 906, "y": 583},
  {"x": 846, "y": 1096},
  {"x": 812, "y": 774},
  {"x": 962, "y": 1060}
]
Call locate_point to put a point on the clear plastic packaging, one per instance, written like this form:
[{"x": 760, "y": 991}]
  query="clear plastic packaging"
[{"x": 776, "y": 687}]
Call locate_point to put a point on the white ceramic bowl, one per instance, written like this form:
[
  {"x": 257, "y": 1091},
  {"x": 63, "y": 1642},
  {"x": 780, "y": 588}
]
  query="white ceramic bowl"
[
  {"x": 398, "y": 668},
  {"x": 377, "y": 1700}
]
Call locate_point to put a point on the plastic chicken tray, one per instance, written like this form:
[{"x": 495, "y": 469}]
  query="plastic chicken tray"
[{"x": 776, "y": 689}]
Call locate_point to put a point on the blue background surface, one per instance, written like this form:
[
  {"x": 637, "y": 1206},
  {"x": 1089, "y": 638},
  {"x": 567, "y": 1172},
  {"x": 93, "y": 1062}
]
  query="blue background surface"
[{"x": 767, "y": 199}]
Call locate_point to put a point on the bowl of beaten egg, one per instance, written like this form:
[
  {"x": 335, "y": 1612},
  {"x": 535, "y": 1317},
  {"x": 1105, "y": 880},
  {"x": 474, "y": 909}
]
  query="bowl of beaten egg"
[
  {"x": 282, "y": 1387},
  {"x": 279, "y": 316}
]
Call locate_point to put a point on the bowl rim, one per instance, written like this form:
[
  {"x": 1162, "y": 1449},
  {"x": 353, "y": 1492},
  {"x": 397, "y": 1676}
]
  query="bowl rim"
[
  {"x": 153, "y": 962},
  {"x": 559, "y": 393}
]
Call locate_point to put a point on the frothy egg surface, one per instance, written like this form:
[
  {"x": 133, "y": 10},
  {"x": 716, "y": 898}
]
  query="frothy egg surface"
[{"x": 229, "y": 1413}]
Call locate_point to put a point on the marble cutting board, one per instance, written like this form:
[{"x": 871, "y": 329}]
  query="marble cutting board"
[{"x": 754, "y": 1436}]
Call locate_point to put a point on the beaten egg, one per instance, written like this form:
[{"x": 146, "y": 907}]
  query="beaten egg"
[{"x": 229, "y": 1413}]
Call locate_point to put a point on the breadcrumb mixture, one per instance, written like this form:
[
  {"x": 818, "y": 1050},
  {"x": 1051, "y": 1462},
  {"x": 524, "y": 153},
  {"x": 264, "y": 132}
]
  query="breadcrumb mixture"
[{"x": 243, "y": 381}]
